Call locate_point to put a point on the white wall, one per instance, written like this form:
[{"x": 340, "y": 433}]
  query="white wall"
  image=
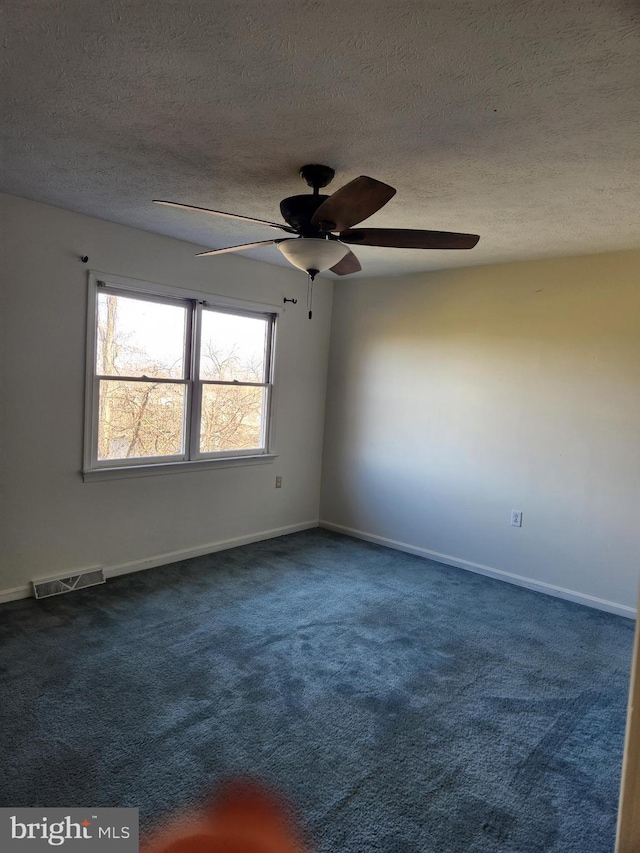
[
  {"x": 457, "y": 396},
  {"x": 51, "y": 520}
]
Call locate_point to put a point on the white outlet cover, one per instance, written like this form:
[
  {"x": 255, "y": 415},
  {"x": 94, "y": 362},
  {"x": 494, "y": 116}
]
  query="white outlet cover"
[{"x": 516, "y": 518}]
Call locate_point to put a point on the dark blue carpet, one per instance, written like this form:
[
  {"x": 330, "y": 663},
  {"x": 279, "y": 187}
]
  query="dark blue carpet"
[{"x": 401, "y": 706}]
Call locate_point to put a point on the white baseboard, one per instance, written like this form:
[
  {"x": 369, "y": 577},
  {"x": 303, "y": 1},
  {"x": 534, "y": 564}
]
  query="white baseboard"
[
  {"x": 186, "y": 553},
  {"x": 200, "y": 550},
  {"x": 174, "y": 556},
  {"x": 498, "y": 574},
  {"x": 15, "y": 593}
]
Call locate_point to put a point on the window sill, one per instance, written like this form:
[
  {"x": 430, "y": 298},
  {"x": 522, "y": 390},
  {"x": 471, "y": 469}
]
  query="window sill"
[{"x": 122, "y": 472}]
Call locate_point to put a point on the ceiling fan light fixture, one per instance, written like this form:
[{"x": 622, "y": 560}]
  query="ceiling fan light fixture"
[{"x": 312, "y": 253}]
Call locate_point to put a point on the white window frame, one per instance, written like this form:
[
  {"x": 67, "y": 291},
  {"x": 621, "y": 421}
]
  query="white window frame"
[{"x": 192, "y": 459}]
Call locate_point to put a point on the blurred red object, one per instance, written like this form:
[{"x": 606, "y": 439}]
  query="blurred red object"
[{"x": 244, "y": 817}]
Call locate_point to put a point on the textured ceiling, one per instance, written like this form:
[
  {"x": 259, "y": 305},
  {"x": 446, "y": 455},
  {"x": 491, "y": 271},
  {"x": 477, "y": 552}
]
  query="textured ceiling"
[{"x": 517, "y": 120}]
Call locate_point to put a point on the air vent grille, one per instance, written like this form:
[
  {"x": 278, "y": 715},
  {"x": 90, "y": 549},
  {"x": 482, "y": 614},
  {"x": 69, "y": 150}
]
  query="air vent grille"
[{"x": 56, "y": 586}]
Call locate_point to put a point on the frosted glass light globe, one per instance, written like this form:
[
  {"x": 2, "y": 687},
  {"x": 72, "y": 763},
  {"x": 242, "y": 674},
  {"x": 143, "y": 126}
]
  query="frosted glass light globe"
[{"x": 313, "y": 253}]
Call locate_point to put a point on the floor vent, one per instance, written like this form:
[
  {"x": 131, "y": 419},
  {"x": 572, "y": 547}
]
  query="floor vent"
[{"x": 56, "y": 586}]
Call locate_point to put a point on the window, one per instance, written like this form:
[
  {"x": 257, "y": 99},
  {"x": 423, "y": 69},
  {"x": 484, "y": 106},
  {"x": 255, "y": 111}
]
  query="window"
[{"x": 174, "y": 379}]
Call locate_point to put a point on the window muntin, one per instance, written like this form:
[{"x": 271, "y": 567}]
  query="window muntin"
[{"x": 177, "y": 380}]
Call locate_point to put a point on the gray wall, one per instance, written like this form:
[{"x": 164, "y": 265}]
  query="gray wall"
[
  {"x": 53, "y": 522},
  {"x": 457, "y": 396}
]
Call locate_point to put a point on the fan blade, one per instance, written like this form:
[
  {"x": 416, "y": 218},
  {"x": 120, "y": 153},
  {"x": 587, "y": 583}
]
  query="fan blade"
[
  {"x": 227, "y": 215},
  {"x": 240, "y": 248},
  {"x": 355, "y": 201},
  {"x": 406, "y": 238},
  {"x": 347, "y": 265}
]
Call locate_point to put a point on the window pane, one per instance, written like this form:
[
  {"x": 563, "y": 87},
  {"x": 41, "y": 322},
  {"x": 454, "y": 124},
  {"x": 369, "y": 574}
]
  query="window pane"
[
  {"x": 139, "y": 419},
  {"x": 231, "y": 418},
  {"x": 232, "y": 347},
  {"x": 140, "y": 338}
]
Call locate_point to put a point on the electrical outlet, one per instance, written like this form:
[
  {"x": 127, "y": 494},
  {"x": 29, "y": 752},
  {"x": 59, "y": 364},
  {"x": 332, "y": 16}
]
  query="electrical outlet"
[
  {"x": 278, "y": 482},
  {"x": 516, "y": 518}
]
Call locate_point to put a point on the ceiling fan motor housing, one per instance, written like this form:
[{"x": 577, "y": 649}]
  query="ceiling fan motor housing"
[{"x": 297, "y": 211}]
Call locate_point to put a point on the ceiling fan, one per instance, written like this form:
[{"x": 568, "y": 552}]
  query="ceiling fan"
[{"x": 315, "y": 218}]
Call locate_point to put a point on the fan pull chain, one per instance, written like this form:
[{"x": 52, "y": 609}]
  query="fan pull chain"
[{"x": 311, "y": 274}]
